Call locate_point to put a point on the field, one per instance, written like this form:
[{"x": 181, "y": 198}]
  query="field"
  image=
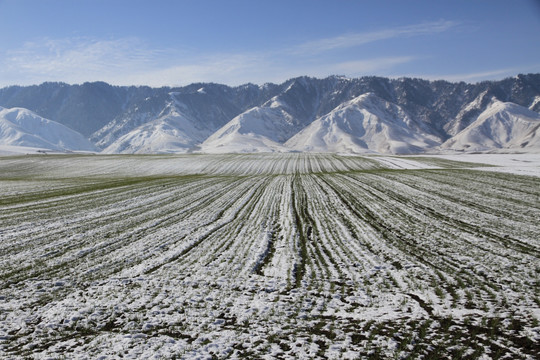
[{"x": 267, "y": 256}]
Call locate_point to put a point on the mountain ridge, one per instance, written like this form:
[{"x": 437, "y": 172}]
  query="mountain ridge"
[
  {"x": 22, "y": 127},
  {"x": 190, "y": 118},
  {"x": 364, "y": 124}
]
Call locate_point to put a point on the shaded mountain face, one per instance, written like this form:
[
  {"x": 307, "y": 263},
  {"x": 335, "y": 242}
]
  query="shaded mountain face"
[
  {"x": 271, "y": 117},
  {"x": 84, "y": 108}
]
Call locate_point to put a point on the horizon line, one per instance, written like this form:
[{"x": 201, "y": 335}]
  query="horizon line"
[{"x": 428, "y": 78}]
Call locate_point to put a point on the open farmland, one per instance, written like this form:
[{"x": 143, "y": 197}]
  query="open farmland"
[{"x": 267, "y": 256}]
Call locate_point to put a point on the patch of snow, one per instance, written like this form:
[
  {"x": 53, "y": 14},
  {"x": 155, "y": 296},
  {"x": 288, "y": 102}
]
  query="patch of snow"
[
  {"x": 521, "y": 164},
  {"x": 535, "y": 102}
]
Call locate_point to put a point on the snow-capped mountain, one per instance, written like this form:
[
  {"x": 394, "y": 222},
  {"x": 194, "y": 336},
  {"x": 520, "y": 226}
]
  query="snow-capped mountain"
[
  {"x": 468, "y": 113},
  {"x": 21, "y": 127},
  {"x": 333, "y": 114},
  {"x": 176, "y": 129},
  {"x": 197, "y": 110},
  {"x": 260, "y": 129},
  {"x": 265, "y": 128},
  {"x": 501, "y": 126},
  {"x": 171, "y": 133},
  {"x": 364, "y": 124}
]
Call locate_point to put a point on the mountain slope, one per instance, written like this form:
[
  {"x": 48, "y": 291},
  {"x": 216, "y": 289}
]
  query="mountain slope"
[
  {"x": 501, "y": 125},
  {"x": 175, "y": 130},
  {"x": 21, "y": 127},
  {"x": 264, "y": 117},
  {"x": 208, "y": 106},
  {"x": 256, "y": 130},
  {"x": 265, "y": 128},
  {"x": 169, "y": 134},
  {"x": 364, "y": 124}
]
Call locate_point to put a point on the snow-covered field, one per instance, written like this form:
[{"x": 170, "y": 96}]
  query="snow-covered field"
[{"x": 269, "y": 256}]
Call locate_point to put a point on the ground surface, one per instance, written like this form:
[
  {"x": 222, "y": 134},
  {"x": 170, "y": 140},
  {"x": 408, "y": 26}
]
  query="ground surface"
[{"x": 268, "y": 256}]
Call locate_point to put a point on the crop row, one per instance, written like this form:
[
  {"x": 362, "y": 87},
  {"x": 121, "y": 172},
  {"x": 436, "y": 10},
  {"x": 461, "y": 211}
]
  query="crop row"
[{"x": 276, "y": 255}]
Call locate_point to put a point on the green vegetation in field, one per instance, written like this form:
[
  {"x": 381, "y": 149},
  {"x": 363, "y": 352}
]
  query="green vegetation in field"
[{"x": 277, "y": 255}]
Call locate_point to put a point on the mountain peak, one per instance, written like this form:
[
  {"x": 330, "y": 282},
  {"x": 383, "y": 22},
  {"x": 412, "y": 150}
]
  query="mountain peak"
[
  {"x": 502, "y": 125},
  {"x": 366, "y": 123},
  {"x": 370, "y": 113},
  {"x": 22, "y": 127}
]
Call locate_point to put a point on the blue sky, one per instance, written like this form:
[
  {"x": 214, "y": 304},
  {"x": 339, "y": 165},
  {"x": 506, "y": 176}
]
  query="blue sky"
[{"x": 177, "y": 42}]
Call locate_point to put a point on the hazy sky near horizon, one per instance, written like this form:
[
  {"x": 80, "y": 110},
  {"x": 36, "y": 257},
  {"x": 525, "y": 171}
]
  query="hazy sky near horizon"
[{"x": 177, "y": 42}]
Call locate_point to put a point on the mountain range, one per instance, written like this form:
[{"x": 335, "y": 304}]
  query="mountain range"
[{"x": 334, "y": 114}]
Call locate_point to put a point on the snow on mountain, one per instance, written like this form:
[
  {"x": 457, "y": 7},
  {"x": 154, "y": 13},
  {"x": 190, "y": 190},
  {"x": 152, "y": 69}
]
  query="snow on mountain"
[
  {"x": 172, "y": 132},
  {"x": 180, "y": 118},
  {"x": 22, "y": 127},
  {"x": 366, "y": 123},
  {"x": 535, "y": 104},
  {"x": 115, "y": 129},
  {"x": 236, "y": 142},
  {"x": 468, "y": 113},
  {"x": 219, "y": 118},
  {"x": 502, "y": 125},
  {"x": 135, "y": 115},
  {"x": 266, "y": 127},
  {"x": 260, "y": 129}
]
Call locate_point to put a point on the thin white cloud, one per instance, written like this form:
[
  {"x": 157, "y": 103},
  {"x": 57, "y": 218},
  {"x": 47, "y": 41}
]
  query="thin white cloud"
[
  {"x": 233, "y": 69},
  {"x": 131, "y": 61},
  {"x": 236, "y": 70},
  {"x": 476, "y": 76},
  {"x": 481, "y": 75},
  {"x": 357, "y": 39},
  {"x": 77, "y": 59},
  {"x": 361, "y": 67}
]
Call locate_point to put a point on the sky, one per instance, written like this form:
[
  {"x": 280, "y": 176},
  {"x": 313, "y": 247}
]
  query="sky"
[{"x": 233, "y": 42}]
